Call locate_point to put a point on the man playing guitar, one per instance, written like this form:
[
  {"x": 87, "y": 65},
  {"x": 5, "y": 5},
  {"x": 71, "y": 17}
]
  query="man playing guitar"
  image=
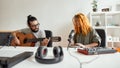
[{"x": 32, "y": 32}]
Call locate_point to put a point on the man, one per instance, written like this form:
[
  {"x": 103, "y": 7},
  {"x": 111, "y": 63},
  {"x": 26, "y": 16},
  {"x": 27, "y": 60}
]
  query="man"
[{"x": 33, "y": 30}]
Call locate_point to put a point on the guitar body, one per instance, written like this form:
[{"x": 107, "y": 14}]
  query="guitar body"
[
  {"x": 22, "y": 37},
  {"x": 30, "y": 39}
]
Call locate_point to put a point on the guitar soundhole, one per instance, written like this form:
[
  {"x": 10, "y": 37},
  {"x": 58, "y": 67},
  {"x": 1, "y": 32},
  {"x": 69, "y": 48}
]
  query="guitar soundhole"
[
  {"x": 18, "y": 37},
  {"x": 25, "y": 40}
]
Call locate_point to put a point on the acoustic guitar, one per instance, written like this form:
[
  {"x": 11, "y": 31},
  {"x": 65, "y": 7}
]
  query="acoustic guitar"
[{"x": 30, "y": 40}]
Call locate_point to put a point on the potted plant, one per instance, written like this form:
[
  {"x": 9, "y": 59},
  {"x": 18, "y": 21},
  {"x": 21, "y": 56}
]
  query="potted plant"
[{"x": 94, "y": 5}]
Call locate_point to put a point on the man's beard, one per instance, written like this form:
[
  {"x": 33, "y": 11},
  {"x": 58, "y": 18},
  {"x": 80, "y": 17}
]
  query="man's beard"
[{"x": 36, "y": 30}]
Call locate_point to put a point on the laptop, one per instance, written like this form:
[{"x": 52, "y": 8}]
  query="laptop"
[{"x": 10, "y": 58}]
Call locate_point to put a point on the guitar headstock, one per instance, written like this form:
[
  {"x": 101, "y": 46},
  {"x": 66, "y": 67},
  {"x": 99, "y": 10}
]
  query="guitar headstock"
[{"x": 56, "y": 39}]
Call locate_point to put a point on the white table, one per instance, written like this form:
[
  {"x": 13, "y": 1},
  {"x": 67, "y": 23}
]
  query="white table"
[{"x": 85, "y": 61}]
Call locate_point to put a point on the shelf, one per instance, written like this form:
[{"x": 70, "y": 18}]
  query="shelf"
[
  {"x": 114, "y": 41},
  {"x": 113, "y": 13},
  {"x": 96, "y": 13},
  {"x": 117, "y": 27},
  {"x": 107, "y": 13},
  {"x": 99, "y": 27},
  {"x": 109, "y": 21}
]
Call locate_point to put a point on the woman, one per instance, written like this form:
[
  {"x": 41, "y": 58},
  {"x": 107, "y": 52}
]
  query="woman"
[{"x": 85, "y": 36}]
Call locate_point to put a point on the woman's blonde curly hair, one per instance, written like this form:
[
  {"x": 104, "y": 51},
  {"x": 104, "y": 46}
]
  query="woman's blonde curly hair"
[{"x": 81, "y": 24}]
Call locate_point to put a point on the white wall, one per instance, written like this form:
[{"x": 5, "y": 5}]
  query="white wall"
[{"x": 55, "y": 15}]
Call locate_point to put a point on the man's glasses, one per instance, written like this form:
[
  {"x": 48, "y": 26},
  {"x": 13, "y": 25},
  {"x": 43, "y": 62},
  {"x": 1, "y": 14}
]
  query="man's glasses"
[{"x": 35, "y": 25}]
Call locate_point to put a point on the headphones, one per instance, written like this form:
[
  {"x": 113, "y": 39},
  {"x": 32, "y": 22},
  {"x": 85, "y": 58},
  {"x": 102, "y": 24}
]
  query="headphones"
[{"x": 42, "y": 52}]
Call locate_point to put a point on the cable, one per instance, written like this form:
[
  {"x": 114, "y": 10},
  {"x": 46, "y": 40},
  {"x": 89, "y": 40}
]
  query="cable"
[
  {"x": 90, "y": 60},
  {"x": 81, "y": 63},
  {"x": 69, "y": 40},
  {"x": 71, "y": 54},
  {"x": 75, "y": 58}
]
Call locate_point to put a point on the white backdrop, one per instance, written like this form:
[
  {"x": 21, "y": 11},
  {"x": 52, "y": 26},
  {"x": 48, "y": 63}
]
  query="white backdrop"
[{"x": 54, "y": 15}]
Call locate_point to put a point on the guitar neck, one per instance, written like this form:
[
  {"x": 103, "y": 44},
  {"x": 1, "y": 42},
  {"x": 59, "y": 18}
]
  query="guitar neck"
[
  {"x": 54, "y": 39},
  {"x": 35, "y": 40}
]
